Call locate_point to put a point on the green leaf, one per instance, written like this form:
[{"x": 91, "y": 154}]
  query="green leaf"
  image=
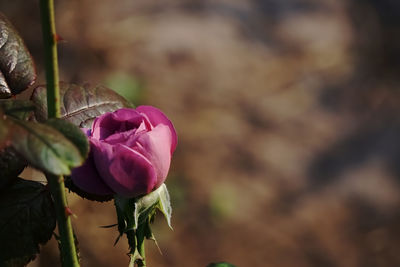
[
  {"x": 72, "y": 133},
  {"x": 27, "y": 219},
  {"x": 21, "y": 109},
  {"x": 80, "y": 105},
  {"x": 17, "y": 70},
  {"x": 41, "y": 145},
  {"x": 11, "y": 165}
]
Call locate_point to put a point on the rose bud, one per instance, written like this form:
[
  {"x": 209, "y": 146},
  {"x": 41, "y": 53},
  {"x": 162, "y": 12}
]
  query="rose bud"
[{"x": 130, "y": 153}]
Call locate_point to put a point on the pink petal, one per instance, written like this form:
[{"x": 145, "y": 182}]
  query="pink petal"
[
  {"x": 133, "y": 174},
  {"x": 156, "y": 146},
  {"x": 124, "y": 170},
  {"x": 156, "y": 117},
  {"x": 127, "y": 138},
  {"x": 88, "y": 179},
  {"x": 118, "y": 121}
]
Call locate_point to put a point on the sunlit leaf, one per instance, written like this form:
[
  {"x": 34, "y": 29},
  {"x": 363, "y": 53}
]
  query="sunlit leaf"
[
  {"x": 72, "y": 133},
  {"x": 80, "y": 105},
  {"x": 21, "y": 109},
  {"x": 17, "y": 71},
  {"x": 27, "y": 219},
  {"x": 41, "y": 145}
]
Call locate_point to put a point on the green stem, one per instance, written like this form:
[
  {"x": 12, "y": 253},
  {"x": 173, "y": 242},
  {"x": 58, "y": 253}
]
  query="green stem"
[
  {"x": 68, "y": 250},
  {"x": 56, "y": 183},
  {"x": 142, "y": 263},
  {"x": 51, "y": 61},
  {"x": 140, "y": 240}
]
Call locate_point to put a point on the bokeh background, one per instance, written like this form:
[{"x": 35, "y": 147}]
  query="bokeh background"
[{"x": 288, "y": 121}]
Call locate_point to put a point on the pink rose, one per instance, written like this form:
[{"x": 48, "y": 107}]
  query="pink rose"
[{"x": 130, "y": 153}]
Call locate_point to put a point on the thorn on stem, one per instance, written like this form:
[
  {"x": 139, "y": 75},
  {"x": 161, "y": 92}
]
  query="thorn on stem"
[
  {"x": 68, "y": 212},
  {"x": 58, "y": 38}
]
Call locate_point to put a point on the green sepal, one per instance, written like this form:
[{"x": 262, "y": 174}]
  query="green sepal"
[
  {"x": 135, "y": 216},
  {"x": 164, "y": 204},
  {"x": 133, "y": 212}
]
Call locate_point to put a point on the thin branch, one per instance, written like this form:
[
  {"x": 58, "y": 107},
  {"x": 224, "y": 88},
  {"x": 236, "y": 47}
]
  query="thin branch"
[{"x": 56, "y": 183}]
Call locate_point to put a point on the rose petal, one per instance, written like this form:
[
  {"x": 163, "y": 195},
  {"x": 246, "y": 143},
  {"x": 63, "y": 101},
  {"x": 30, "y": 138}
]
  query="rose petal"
[
  {"x": 133, "y": 174},
  {"x": 156, "y": 117},
  {"x": 118, "y": 121},
  {"x": 103, "y": 126},
  {"x": 103, "y": 154},
  {"x": 88, "y": 179},
  {"x": 155, "y": 146},
  {"x": 120, "y": 138},
  {"x": 125, "y": 171},
  {"x": 127, "y": 138}
]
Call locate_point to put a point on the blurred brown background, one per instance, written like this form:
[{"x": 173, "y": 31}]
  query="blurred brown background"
[{"x": 287, "y": 114}]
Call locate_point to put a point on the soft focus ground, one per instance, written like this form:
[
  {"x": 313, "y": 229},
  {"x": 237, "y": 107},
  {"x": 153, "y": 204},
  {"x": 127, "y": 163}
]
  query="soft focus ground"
[{"x": 287, "y": 114}]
